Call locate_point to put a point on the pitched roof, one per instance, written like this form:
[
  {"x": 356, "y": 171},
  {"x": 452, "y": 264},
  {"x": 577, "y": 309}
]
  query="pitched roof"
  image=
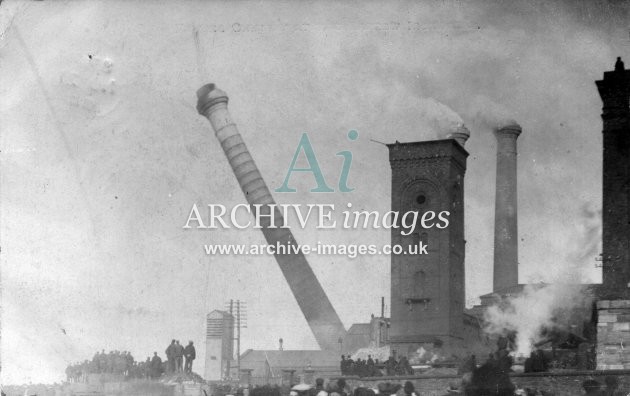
[{"x": 360, "y": 328}]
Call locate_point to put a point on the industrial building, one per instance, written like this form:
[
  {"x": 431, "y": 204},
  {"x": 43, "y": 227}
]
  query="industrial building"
[
  {"x": 219, "y": 345},
  {"x": 428, "y": 291},
  {"x": 288, "y": 367}
]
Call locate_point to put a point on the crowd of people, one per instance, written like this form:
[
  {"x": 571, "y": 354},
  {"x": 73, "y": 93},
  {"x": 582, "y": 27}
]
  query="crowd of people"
[
  {"x": 124, "y": 364},
  {"x": 490, "y": 378},
  {"x": 338, "y": 388},
  {"x": 373, "y": 368},
  {"x": 114, "y": 362}
]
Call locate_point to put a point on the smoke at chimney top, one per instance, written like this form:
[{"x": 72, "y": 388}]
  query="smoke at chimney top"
[{"x": 460, "y": 133}]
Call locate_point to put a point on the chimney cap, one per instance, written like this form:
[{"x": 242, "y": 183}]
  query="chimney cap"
[
  {"x": 460, "y": 134},
  {"x": 508, "y": 127},
  {"x": 208, "y": 96}
]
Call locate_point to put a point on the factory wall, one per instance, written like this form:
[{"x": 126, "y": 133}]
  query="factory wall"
[{"x": 613, "y": 335}]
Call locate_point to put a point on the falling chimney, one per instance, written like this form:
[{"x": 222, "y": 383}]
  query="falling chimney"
[
  {"x": 280, "y": 342},
  {"x": 311, "y": 298},
  {"x": 505, "y": 214}
]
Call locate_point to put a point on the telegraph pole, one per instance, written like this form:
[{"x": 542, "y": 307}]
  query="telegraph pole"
[
  {"x": 238, "y": 309},
  {"x": 238, "y": 338},
  {"x": 229, "y": 366}
]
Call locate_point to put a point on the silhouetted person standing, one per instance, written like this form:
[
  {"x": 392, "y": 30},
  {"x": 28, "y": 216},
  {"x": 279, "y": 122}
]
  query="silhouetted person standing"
[
  {"x": 156, "y": 366},
  {"x": 350, "y": 366},
  {"x": 189, "y": 354},
  {"x": 179, "y": 356},
  {"x": 390, "y": 365},
  {"x": 170, "y": 356},
  {"x": 404, "y": 366}
]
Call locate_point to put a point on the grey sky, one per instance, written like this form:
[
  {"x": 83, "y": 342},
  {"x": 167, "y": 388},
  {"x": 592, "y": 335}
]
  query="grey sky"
[{"x": 103, "y": 156}]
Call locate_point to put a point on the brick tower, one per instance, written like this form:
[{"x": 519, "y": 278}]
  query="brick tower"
[
  {"x": 427, "y": 291},
  {"x": 614, "y": 90}
]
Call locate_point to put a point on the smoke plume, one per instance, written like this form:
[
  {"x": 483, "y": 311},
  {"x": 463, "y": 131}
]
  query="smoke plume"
[
  {"x": 539, "y": 309},
  {"x": 443, "y": 117},
  {"x": 489, "y": 113},
  {"x": 588, "y": 243}
]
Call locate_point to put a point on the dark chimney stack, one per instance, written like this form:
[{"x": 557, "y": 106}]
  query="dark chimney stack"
[{"x": 614, "y": 89}]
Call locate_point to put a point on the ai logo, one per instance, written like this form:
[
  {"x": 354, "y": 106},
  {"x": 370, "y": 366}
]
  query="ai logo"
[{"x": 305, "y": 146}]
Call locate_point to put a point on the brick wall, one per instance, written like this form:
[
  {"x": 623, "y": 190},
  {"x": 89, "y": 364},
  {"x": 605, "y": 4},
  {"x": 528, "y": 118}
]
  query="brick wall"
[
  {"x": 559, "y": 384},
  {"x": 613, "y": 335}
]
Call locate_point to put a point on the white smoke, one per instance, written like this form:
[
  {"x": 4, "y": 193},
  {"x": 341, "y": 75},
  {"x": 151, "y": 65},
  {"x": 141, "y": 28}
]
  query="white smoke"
[
  {"x": 587, "y": 244},
  {"x": 425, "y": 356},
  {"x": 386, "y": 98},
  {"x": 444, "y": 118},
  {"x": 555, "y": 306},
  {"x": 490, "y": 113},
  {"x": 537, "y": 309},
  {"x": 381, "y": 353},
  {"x": 409, "y": 110}
]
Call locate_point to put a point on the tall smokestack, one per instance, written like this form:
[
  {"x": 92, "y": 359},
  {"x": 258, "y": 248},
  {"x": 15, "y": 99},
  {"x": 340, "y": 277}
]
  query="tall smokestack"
[
  {"x": 614, "y": 89},
  {"x": 505, "y": 216},
  {"x": 313, "y": 301}
]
